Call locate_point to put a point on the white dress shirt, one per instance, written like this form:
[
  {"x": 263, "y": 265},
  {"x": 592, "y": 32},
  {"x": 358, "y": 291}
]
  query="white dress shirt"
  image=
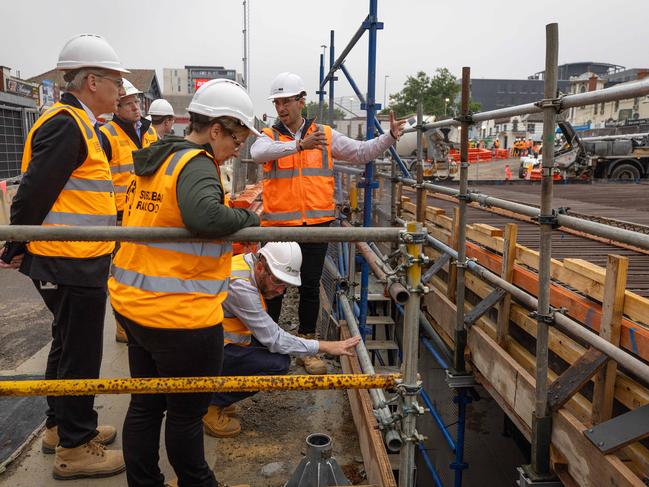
[
  {"x": 342, "y": 147},
  {"x": 243, "y": 301}
]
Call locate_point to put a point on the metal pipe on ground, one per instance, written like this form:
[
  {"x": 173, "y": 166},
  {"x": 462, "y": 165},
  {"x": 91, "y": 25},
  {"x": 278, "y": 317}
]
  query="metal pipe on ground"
[
  {"x": 632, "y": 365},
  {"x": 384, "y": 416},
  {"x": 26, "y": 233}
]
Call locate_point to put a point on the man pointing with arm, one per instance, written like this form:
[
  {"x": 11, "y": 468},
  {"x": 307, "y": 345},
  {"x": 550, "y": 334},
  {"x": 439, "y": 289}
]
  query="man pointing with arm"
[{"x": 298, "y": 186}]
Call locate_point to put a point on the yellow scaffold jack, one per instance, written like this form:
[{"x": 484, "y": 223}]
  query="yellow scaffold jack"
[{"x": 81, "y": 387}]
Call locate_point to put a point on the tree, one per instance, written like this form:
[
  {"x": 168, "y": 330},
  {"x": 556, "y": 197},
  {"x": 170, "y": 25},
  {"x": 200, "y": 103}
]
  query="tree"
[
  {"x": 310, "y": 110},
  {"x": 432, "y": 91}
]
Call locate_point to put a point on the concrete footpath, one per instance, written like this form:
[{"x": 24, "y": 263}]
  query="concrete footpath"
[{"x": 33, "y": 468}]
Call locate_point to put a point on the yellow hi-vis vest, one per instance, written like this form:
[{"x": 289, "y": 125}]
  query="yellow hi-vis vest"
[
  {"x": 235, "y": 331},
  {"x": 299, "y": 188},
  {"x": 179, "y": 285},
  {"x": 121, "y": 165},
  {"x": 87, "y": 199}
]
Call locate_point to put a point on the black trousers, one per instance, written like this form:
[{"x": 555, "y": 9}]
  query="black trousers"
[
  {"x": 77, "y": 339},
  {"x": 254, "y": 359},
  {"x": 313, "y": 256},
  {"x": 155, "y": 352}
]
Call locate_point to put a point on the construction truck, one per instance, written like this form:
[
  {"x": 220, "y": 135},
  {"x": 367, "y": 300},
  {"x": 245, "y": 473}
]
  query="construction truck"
[{"x": 607, "y": 157}]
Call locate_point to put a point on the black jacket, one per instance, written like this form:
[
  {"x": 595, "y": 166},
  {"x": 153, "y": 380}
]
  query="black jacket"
[{"x": 58, "y": 148}]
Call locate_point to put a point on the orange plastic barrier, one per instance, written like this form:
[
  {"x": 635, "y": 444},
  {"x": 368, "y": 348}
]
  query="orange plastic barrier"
[{"x": 475, "y": 155}]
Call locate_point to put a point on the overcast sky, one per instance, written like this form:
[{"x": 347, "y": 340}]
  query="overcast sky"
[{"x": 497, "y": 39}]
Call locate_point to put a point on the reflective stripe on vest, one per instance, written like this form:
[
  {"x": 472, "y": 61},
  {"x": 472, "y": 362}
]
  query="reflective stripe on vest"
[
  {"x": 235, "y": 331},
  {"x": 121, "y": 163},
  {"x": 170, "y": 285},
  {"x": 198, "y": 249},
  {"x": 296, "y": 195},
  {"x": 78, "y": 219},
  {"x": 87, "y": 199},
  {"x": 157, "y": 284}
]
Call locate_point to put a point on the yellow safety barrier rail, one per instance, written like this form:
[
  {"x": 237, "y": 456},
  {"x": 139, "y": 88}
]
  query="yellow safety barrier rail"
[{"x": 83, "y": 387}]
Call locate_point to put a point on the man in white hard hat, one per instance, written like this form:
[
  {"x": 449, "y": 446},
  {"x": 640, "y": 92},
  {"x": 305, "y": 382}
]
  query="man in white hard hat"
[
  {"x": 298, "y": 186},
  {"x": 128, "y": 131},
  {"x": 254, "y": 342},
  {"x": 162, "y": 117},
  {"x": 168, "y": 295},
  {"x": 66, "y": 181}
]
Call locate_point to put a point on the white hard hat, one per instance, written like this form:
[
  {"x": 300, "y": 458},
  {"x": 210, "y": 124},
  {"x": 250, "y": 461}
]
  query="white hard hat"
[
  {"x": 286, "y": 84},
  {"x": 89, "y": 51},
  {"x": 129, "y": 89},
  {"x": 284, "y": 261},
  {"x": 224, "y": 98},
  {"x": 161, "y": 107}
]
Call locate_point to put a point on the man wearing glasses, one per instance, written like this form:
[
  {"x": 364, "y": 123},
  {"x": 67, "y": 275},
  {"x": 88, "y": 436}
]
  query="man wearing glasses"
[
  {"x": 254, "y": 342},
  {"x": 128, "y": 131},
  {"x": 66, "y": 181},
  {"x": 298, "y": 187}
]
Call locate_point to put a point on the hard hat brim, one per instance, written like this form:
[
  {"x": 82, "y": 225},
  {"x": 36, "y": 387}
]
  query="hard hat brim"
[
  {"x": 286, "y": 278},
  {"x": 70, "y": 66},
  {"x": 284, "y": 95}
]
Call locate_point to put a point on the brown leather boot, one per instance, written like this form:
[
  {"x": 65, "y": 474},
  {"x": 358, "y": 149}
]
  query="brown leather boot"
[
  {"x": 313, "y": 364},
  {"x": 218, "y": 424},
  {"x": 120, "y": 334},
  {"x": 231, "y": 410},
  {"x": 106, "y": 435},
  {"x": 90, "y": 460}
]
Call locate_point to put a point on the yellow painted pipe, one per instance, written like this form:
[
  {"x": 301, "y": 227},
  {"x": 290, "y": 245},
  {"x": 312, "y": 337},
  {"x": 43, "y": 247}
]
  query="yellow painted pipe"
[
  {"x": 353, "y": 197},
  {"x": 79, "y": 387}
]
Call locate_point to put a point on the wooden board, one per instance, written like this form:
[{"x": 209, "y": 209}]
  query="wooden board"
[{"x": 375, "y": 457}]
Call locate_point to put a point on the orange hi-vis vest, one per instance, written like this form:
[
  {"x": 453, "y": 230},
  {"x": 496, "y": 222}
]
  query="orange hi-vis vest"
[
  {"x": 235, "y": 331},
  {"x": 179, "y": 285},
  {"x": 87, "y": 199},
  {"x": 121, "y": 165},
  {"x": 299, "y": 189}
]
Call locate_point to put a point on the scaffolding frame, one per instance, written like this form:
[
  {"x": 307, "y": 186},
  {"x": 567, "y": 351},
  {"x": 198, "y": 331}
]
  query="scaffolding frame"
[{"x": 539, "y": 470}]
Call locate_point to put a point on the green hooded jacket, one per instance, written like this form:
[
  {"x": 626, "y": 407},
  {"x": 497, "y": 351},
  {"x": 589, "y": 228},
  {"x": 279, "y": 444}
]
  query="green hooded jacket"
[{"x": 199, "y": 191}]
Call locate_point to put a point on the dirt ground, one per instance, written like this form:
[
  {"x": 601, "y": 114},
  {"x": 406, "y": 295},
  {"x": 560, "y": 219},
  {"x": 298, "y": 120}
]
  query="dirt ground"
[{"x": 275, "y": 426}]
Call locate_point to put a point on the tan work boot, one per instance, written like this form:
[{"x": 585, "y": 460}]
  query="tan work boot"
[
  {"x": 313, "y": 364},
  {"x": 174, "y": 483},
  {"x": 120, "y": 333},
  {"x": 106, "y": 436},
  {"x": 217, "y": 423},
  {"x": 231, "y": 411},
  {"x": 90, "y": 460}
]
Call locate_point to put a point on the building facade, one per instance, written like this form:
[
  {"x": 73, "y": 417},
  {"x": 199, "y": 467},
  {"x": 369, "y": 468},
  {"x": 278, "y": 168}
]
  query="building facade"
[{"x": 185, "y": 81}]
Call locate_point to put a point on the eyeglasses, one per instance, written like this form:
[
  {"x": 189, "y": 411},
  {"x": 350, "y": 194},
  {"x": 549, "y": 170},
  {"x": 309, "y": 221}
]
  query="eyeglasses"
[
  {"x": 237, "y": 142},
  {"x": 271, "y": 277},
  {"x": 119, "y": 82},
  {"x": 286, "y": 101}
]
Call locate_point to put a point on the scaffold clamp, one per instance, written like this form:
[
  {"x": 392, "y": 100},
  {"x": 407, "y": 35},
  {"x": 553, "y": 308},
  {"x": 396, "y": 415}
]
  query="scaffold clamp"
[
  {"x": 408, "y": 389},
  {"x": 468, "y": 119},
  {"x": 556, "y": 103}
]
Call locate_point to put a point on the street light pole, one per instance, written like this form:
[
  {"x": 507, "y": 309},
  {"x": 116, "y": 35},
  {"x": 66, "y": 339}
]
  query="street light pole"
[
  {"x": 385, "y": 92},
  {"x": 446, "y": 100}
]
